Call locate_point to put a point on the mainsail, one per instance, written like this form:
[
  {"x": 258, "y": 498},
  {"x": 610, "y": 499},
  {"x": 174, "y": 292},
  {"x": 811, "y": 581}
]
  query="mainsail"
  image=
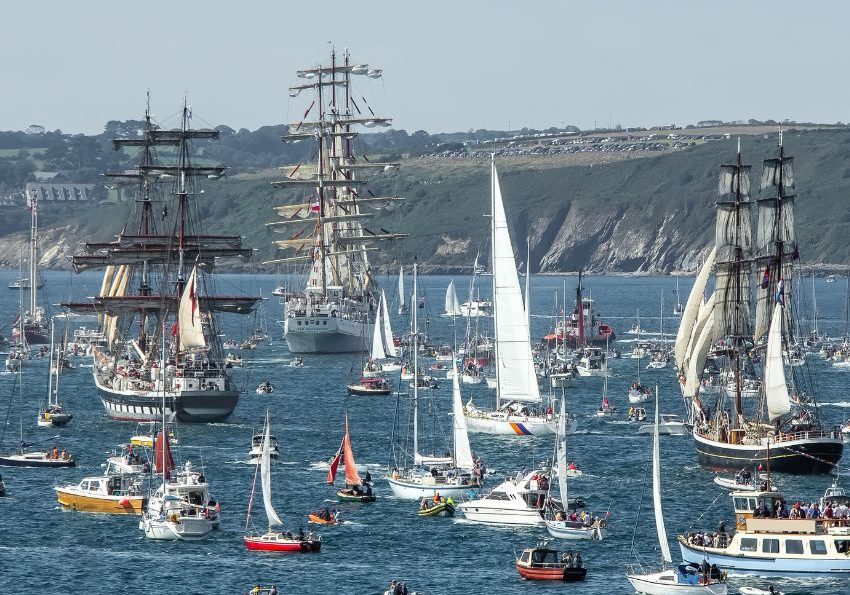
[
  {"x": 352, "y": 477},
  {"x": 656, "y": 487},
  {"x": 452, "y": 305},
  {"x": 266, "y": 477},
  {"x": 190, "y": 327},
  {"x": 515, "y": 373},
  {"x": 463, "y": 452},
  {"x": 775, "y": 388},
  {"x": 389, "y": 344},
  {"x": 402, "y": 307},
  {"x": 377, "y": 351}
]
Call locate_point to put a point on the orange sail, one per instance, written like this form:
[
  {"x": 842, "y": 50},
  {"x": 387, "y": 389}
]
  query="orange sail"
[{"x": 352, "y": 478}]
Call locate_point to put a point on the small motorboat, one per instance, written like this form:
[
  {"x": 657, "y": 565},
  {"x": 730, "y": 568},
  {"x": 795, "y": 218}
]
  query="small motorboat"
[
  {"x": 370, "y": 386},
  {"x": 256, "y": 452},
  {"x": 744, "y": 481},
  {"x": 296, "y": 362},
  {"x": 53, "y": 415},
  {"x": 542, "y": 563},
  {"x": 265, "y": 388},
  {"x": 639, "y": 393},
  {"x": 637, "y": 414},
  {"x": 445, "y": 507},
  {"x": 233, "y": 359},
  {"x": 670, "y": 425},
  {"x": 398, "y": 588},
  {"x": 39, "y": 459}
]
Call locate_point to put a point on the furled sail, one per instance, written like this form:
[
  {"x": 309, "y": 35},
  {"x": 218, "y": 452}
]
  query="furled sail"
[
  {"x": 775, "y": 388},
  {"x": 463, "y": 452},
  {"x": 656, "y": 488},
  {"x": 189, "y": 316},
  {"x": 561, "y": 453},
  {"x": 401, "y": 304},
  {"x": 163, "y": 461},
  {"x": 266, "y": 477},
  {"x": 516, "y": 377},
  {"x": 389, "y": 344},
  {"x": 689, "y": 316}
]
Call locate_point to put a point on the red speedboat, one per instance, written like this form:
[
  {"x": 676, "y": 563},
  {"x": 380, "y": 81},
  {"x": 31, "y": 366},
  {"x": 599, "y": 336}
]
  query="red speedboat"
[
  {"x": 545, "y": 564},
  {"x": 275, "y": 541}
]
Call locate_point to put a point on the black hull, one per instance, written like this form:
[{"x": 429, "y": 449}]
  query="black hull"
[
  {"x": 812, "y": 456},
  {"x": 52, "y": 464},
  {"x": 37, "y": 336},
  {"x": 188, "y": 407}
]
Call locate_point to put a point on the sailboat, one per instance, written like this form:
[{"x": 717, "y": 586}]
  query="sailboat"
[
  {"x": 475, "y": 306},
  {"x": 606, "y": 409},
  {"x": 678, "y": 309},
  {"x": 418, "y": 476},
  {"x": 452, "y": 305},
  {"x": 402, "y": 306},
  {"x": 355, "y": 490},
  {"x": 53, "y": 413},
  {"x": 685, "y": 578},
  {"x": 150, "y": 276},
  {"x": 517, "y": 390},
  {"x": 336, "y": 309},
  {"x": 738, "y": 438},
  {"x": 32, "y": 328},
  {"x": 35, "y": 458},
  {"x": 272, "y": 540},
  {"x": 558, "y": 523}
]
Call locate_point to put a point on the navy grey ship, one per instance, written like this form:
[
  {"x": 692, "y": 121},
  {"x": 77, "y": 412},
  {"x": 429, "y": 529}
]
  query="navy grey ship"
[{"x": 328, "y": 233}]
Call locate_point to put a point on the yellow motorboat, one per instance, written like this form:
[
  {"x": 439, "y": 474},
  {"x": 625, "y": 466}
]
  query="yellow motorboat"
[{"x": 107, "y": 494}]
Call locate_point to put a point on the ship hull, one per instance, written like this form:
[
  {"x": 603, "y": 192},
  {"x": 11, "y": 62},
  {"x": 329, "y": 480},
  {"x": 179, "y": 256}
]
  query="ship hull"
[
  {"x": 73, "y": 500},
  {"x": 185, "y": 406},
  {"x": 804, "y": 456},
  {"x": 322, "y": 334}
]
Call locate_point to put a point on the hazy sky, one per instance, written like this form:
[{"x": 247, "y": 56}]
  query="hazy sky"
[{"x": 448, "y": 65}]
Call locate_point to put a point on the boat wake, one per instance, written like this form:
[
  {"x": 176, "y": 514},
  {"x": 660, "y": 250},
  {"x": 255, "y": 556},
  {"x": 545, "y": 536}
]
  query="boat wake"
[{"x": 838, "y": 404}]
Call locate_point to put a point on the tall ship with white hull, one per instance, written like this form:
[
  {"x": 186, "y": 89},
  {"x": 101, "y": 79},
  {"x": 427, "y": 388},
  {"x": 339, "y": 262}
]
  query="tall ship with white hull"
[
  {"x": 328, "y": 232},
  {"x": 765, "y": 408},
  {"x": 157, "y": 279}
]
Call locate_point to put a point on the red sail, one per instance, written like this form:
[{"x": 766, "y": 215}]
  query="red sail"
[
  {"x": 160, "y": 446},
  {"x": 334, "y": 466},
  {"x": 352, "y": 478}
]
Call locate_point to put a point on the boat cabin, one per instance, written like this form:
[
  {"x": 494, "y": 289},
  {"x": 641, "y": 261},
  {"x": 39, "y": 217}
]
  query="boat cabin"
[{"x": 749, "y": 505}]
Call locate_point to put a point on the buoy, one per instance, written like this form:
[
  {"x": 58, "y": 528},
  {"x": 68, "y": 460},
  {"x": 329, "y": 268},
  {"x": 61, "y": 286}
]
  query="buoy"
[{"x": 125, "y": 502}]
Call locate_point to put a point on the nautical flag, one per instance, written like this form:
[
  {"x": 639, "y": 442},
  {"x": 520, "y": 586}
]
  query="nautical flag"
[
  {"x": 780, "y": 293},
  {"x": 174, "y": 330},
  {"x": 765, "y": 279},
  {"x": 316, "y": 206}
]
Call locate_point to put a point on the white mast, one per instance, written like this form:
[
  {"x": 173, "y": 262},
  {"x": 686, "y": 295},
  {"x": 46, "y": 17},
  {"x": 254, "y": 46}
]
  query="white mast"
[
  {"x": 656, "y": 487},
  {"x": 415, "y": 367},
  {"x": 33, "y": 255},
  {"x": 527, "y": 282}
]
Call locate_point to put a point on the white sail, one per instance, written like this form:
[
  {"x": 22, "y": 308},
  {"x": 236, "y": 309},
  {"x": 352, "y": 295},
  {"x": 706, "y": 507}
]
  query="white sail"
[
  {"x": 377, "y": 338},
  {"x": 698, "y": 355},
  {"x": 561, "y": 452},
  {"x": 189, "y": 316},
  {"x": 266, "y": 477},
  {"x": 463, "y": 452},
  {"x": 689, "y": 316},
  {"x": 705, "y": 310},
  {"x": 390, "y": 349},
  {"x": 775, "y": 388},
  {"x": 401, "y": 288},
  {"x": 656, "y": 488},
  {"x": 452, "y": 307},
  {"x": 516, "y": 378}
]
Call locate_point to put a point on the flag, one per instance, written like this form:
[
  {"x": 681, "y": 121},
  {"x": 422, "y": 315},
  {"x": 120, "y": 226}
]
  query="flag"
[
  {"x": 174, "y": 330},
  {"x": 316, "y": 206},
  {"x": 765, "y": 279},
  {"x": 780, "y": 292}
]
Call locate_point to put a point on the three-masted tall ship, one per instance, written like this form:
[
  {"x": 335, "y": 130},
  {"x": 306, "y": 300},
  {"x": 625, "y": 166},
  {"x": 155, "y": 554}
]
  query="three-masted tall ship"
[
  {"x": 755, "y": 407},
  {"x": 328, "y": 229},
  {"x": 157, "y": 275}
]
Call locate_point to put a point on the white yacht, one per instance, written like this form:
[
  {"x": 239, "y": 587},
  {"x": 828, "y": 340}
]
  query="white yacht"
[
  {"x": 516, "y": 501},
  {"x": 592, "y": 362}
]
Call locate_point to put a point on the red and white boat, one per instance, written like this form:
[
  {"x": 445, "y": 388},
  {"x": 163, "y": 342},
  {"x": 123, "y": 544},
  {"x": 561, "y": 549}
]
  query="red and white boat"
[{"x": 273, "y": 540}]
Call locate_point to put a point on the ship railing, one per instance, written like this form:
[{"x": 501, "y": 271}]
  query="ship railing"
[{"x": 806, "y": 435}]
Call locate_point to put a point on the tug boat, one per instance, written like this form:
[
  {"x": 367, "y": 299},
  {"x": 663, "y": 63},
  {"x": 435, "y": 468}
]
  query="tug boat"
[{"x": 545, "y": 564}]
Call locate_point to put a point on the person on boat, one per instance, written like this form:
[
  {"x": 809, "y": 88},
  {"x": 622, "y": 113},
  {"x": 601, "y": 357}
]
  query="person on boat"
[
  {"x": 300, "y": 533},
  {"x": 567, "y": 559},
  {"x": 256, "y": 590},
  {"x": 436, "y": 497},
  {"x": 273, "y": 590},
  {"x": 424, "y": 504},
  {"x": 577, "y": 560},
  {"x": 55, "y": 453},
  {"x": 450, "y": 501}
]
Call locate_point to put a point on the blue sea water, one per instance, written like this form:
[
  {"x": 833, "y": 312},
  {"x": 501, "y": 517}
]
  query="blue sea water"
[{"x": 46, "y": 550}]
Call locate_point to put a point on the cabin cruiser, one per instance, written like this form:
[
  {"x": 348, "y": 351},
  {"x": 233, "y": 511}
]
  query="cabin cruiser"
[
  {"x": 518, "y": 501},
  {"x": 592, "y": 362},
  {"x": 257, "y": 449}
]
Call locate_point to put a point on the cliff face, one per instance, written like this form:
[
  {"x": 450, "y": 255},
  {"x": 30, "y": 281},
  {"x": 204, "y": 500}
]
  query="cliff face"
[{"x": 648, "y": 215}]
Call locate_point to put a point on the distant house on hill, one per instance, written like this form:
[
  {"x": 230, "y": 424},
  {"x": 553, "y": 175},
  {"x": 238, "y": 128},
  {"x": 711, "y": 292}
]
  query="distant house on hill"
[
  {"x": 48, "y": 192},
  {"x": 46, "y": 176}
]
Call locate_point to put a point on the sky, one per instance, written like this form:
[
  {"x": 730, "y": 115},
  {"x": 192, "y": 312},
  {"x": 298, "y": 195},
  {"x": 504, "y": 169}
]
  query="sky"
[{"x": 448, "y": 65}]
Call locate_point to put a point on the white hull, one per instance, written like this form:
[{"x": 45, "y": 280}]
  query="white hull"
[
  {"x": 664, "y": 583},
  {"x": 186, "y": 529},
  {"x": 406, "y": 490},
  {"x": 488, "y": 513},
  {"x": 493, "y": 422},
  {"x": 571, "y": 530},
  {"x": 669, "y": 429}
]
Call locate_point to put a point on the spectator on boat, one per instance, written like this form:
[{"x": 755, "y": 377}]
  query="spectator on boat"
[
  {"x": 450, "y": 501},
  {"x": 795, "y": 511},
  {"x": 573, "y": 516},
  {"x": 256, "y": 590},
  {"x": 567, "y": 559},
  {"x": 436, "y": 497},
  {"x": 828, "y": 512},
  {"x": 577, "y": 560},
  {"x": 300, "y": 534},
  {"x": 273, "y": 590},
  {"x": 55, "y": 453}
]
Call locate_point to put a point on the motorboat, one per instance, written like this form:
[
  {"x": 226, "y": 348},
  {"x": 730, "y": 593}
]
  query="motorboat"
[
  {"x": 670, "y": 425},
  {"x": 370, "y": 386},
  {"x": 265, "y": 388},
  {"x": 105, "y": 494},
  {"x": 233, "y": 359},
  {"x": 517, "y": 501},
  {"x": 592, "y": 362},
  {"x": 542, "y": 563},
  {"x": 637, "y": 414},
  {"x": 256, "y": 451},
  {"x": 181, "y": 507},
  {"x": 639, "y": 393},
  {"x": 127, "y": 461},
  {"x": 443, "y": 507}
]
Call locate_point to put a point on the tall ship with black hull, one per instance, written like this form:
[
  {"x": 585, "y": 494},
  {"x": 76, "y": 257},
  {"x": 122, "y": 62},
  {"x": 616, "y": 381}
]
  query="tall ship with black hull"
[
  {"x": 327, "y": 228},
  {"x": 758, "y": 408},
  {"x": 157, "y": 278}
]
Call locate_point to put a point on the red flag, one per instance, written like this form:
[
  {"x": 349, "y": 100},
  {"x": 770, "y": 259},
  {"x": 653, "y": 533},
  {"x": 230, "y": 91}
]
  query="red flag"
[
  {"x": 174, "y": 330},
  {"x": 316, "y": 206}
]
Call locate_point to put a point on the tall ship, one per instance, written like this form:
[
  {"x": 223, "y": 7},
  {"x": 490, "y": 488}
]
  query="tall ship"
[
  {"x": 157, "y": 279},
  {"x": 328, "y": 232},
  {"x": 752, "y": 405},
  {"x": 35, "y": 326}
]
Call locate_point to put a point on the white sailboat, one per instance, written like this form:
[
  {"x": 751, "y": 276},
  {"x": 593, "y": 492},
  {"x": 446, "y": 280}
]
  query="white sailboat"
[
  {"x": 272, "y": 540},
  {"x": 53, "y": 413},
  {"x": 452, "y": 304},
  {"x": 433, "y": 474},
  {"x": 685, "y": 578},
  {"x": 560, "y": 526},
  {"x": 517, "y": 390}
]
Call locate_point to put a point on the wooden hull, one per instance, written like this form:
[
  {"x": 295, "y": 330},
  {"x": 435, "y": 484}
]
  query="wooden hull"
[
  {"x": 531, "y": 573},
  {"x": 131, "y": 505}
]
